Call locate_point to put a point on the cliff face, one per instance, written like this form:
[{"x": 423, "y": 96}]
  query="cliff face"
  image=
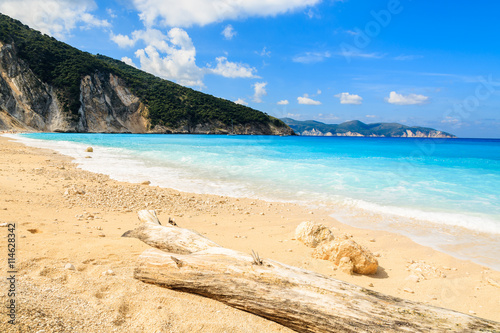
[
  {"x": 107, "y": 105},
  {"x": 27, "y": 103}
]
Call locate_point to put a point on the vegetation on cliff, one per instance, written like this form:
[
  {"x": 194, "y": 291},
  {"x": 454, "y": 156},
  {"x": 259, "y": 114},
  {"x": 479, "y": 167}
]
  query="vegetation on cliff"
[
  {"x": 63, "y": 67},
  {"x": 358, "y": 127}
]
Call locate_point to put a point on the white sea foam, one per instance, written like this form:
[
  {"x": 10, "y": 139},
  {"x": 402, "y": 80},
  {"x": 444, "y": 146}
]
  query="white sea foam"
[{"x": 474, "y": 223}]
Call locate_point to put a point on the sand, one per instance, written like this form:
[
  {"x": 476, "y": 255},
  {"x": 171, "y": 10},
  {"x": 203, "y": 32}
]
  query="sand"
[{"x": 64, "y": 215}]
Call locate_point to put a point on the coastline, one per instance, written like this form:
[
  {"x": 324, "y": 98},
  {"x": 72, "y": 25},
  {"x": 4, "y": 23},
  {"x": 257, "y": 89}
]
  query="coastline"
[{"x": 62, "y": 226}]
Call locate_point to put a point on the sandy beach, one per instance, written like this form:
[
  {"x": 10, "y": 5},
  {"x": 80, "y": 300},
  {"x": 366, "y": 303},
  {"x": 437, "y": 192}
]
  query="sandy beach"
[{"x": 64, "y": 215}]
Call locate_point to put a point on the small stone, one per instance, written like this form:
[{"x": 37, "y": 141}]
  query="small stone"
[
  {"x": 3, "y": 224},
  {"x": 70, "y": 267},
  {"x": 408, "y": 290},
  {"x": 372, "y": 240},
  {"x": 413, "y": 278},
  {"x": 472, "y": 312},
  {"x": 88, "y": 156},
  {"x": 289, "y": 250},
  {"x": 147, "y": 182},
  {"x": 370, "y": 285},
  {"x": 108, "y": 272},
  {"x": 89, "y": 150},
  {"x": 101, "y": 235}
]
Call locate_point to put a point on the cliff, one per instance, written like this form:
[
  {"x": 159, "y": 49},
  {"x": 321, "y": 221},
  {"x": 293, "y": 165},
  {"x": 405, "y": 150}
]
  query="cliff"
[
  {"x": 358, "y": 128},
  {"x": 47, "y": 85}
]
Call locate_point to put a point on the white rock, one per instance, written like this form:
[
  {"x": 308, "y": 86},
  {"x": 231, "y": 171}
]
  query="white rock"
[
  {"x": 364, "y": 262},
  {"x": 413, "y": 278},
  {"x": 70, "y": 267},
  {"x": 312, "y": 234}
]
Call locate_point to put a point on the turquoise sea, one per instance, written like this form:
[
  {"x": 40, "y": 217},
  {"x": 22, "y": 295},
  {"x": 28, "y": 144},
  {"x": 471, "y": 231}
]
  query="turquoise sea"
[{"x": 444, "y": 193}]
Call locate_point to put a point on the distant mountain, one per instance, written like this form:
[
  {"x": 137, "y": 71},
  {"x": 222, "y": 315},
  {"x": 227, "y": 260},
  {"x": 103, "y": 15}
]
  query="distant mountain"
[
  {"x": 47, "y": 85},
  {"x": 358, "y": 128}
]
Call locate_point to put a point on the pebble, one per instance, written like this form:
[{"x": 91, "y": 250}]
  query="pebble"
[
  {"x": 3, "y": 224},
  {"x": 147, "y": 182},
  {"x": 89, "y": 150},
  {"x": 408, "y": 290},
  {"x": 101, "y": 235},
  {"x": 370, "y": 285},
  {"x": 108, "y": 272},
  {"x": 413, "y": 278},
  {"x": 70, "y": 267}
]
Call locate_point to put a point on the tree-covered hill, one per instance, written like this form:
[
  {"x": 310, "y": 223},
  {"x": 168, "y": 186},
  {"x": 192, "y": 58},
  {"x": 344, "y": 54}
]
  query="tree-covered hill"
[
  {"x": 312, "y": 127},
  {"x": 169, "y": 104}
]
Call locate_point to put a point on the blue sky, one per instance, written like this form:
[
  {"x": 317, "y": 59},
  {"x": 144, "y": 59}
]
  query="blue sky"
[{"x": 434, "y": 64}]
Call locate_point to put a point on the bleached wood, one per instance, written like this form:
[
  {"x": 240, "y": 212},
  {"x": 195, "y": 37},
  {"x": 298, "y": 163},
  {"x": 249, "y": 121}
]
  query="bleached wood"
[
  {"x": 299, "y": 299},
  {"x": 168, "y": 237}
]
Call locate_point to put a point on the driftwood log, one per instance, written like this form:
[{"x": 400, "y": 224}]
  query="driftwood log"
[
  {"x": 296, "y": 298},
  {"x": 168, "y": 237}
]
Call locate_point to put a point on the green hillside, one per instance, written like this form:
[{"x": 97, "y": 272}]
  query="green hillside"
[
  {"x": 356, "y": 126},
  {"x": 63, "y": 66}
]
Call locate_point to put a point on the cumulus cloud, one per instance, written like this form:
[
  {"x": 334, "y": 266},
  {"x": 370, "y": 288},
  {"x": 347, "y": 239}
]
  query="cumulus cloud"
[
  {"x": 411, "y": 99},
  {"x": 241, "y": 101},
  {"x": 283, "y": 102},
  {"x": 259, "y": 91},
  {"x": 122, "y": 40},
  {"x": 232, "y": 69},
  {"x": 228, "y": 32},
  {"x": 128, "y": 61},
  {"x": 54, "y": 17},
  {"x": 346, "y": 98},
  {"x": 171, "y": 57},
  {"x": 201, "y": 12},
  {"x": 311, "y": 57},
  {"x": 307, "y": 101}
]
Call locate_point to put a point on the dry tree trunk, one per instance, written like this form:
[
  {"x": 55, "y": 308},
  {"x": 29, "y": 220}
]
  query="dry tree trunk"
[
  {"x": 168, "y": 238},
  {"x": 296, "y": 298},
  {"x": 299, "y": 299}
]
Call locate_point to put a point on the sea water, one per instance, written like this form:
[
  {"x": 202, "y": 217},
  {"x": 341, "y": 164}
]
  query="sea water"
[{"x": 443, "y": 193}]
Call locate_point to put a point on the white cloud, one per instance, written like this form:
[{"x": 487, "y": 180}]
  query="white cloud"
[
  {"x": 202, "y": 12},
  {"x": 128, "y": 61},
  {"x": 371, "y": 116},
  {"x": 346, "y": 98},
  {"x": 122, "y": 40},
  {"x": 241, "y": 101},
  {"x": 264, "y": 52},
  {"x": 259, "y": 91},
  {"x": 307, "y": 101},
  {"x": 173, "y": 57},
  {"x": 54, "y": 17},
  {"x": 318, "y": 92},
  {"x": 228, "y": 32},
  {"x": 283, "y": 102},
  {"x": 411, "y": 99},
  {"x": 404, "y": 57},
  {"x": 177, "y": 61},
  {"x": 311, "y": 57},
  {"x": 232, "y": 69}
]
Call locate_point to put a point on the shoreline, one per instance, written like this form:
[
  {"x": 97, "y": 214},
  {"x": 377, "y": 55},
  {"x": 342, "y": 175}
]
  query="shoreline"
[{"x": 78, "y": 217}]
